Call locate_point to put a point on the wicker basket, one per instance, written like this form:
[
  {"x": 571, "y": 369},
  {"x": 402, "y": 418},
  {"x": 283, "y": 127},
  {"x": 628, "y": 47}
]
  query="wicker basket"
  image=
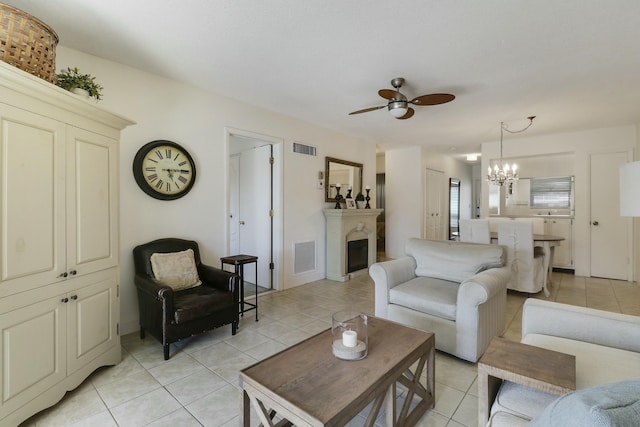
[{"x": 27, "y": 43}]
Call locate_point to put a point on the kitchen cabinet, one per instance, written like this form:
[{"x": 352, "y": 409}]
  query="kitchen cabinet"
[
  {"x": 563, "y": 254},
  {"x": 59, "y": 291}
]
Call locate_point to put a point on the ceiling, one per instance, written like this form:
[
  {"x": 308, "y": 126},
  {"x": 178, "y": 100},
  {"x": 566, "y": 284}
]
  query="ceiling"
[{"x": 575, "y": 64}]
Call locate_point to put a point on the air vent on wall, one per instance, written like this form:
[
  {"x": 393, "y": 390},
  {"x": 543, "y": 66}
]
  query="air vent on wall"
[
  {"x": 304, "y": 149},
  {"x": 304, "y": 256}
]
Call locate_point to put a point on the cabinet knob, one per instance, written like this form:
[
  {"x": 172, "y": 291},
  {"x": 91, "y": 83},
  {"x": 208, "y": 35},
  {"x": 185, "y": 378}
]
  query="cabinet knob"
[
  {"x": 64, "y": 300},
  {"x": 596, "y": 223},
  {"x": 63, "y": 274},
  {"x": 73, "y": 272},
  {"x": 74, "y": 297}
]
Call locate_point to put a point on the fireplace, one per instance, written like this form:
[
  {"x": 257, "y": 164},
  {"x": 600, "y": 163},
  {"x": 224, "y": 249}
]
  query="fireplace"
[
  {"x": 351, "y": 242},
  {"x": 357, "y": 255}
]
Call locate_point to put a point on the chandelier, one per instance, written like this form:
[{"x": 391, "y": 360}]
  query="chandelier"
[{"x": 505, "y": 172}]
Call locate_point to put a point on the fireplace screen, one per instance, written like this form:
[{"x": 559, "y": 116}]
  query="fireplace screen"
[{"x": 357, "y": 255}]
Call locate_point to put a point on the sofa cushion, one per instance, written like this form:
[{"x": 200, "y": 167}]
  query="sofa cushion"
[
  {"x": 524, "y": 402},
  {"x": 504, "y": 419},
  {"x": 616, "y": 404},
  {"x": 199, "y": 302},
  {"x": 427, "y": 295},
  {"x": 453, "y": 261},
  {"x": 176, "y": 269}
]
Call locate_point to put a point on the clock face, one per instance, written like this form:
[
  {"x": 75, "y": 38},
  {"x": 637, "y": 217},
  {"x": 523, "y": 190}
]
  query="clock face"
[{"x": 164, "y": 170}]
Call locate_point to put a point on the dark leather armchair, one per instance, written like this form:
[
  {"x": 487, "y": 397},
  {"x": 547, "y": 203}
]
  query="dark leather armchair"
[{"x": 171, "y": 315}]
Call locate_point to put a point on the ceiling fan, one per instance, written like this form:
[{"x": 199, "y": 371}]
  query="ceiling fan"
[{"x": 398, "y": 104}]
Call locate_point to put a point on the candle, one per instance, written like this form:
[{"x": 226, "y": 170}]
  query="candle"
[
  {"x": 367, "y": 187},
  {"x": 349, "y": 338},
  {"x": 338, "y": 185}
]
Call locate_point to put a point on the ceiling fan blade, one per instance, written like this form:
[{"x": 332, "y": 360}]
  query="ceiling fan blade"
[
  {"x": 433, "y": 99},
  {"x": 366, "y": 110},
  {"x": 408, "y": 114},
  {"x": 388, "y": 94}
]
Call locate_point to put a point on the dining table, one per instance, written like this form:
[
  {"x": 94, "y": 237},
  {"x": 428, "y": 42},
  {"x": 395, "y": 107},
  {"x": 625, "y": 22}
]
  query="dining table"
[{"x": 547, "y": 242}]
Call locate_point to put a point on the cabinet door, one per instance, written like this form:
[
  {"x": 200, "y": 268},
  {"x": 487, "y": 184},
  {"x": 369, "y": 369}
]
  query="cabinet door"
[
  {"x": 32, "y": 162},
  {"x": 92, "y": 213},
  {"x": 92, "y": 321},
  {"x": 32, "y": 351},
  {"x": 563, "y": 254}
]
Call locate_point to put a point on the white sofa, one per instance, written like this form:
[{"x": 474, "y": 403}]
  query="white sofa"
[
  {"x": 607, "y": 350},
  {"x": 456, "y": 290}
]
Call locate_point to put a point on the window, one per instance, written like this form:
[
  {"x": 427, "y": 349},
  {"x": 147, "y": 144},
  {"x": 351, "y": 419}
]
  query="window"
[{"x": 551, "y": 192}]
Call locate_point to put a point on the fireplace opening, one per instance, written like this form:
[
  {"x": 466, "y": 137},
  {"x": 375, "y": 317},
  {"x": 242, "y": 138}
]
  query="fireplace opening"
[{"x": 357, "y": 255}]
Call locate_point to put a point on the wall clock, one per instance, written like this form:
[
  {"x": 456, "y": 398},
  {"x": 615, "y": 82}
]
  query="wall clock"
[{"x": 164, "y": 170}]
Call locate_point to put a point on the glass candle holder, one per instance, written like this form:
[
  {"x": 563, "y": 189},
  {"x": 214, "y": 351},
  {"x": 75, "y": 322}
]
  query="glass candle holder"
[{"x": 349, "y": 332}]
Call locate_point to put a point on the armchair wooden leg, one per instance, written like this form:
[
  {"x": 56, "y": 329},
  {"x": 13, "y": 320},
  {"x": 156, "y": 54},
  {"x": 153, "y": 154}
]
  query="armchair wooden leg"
[
  {"x": 142, "y": 335},
  {"x": 166, "y": 351},
  {"x": 234, "y": 327}
]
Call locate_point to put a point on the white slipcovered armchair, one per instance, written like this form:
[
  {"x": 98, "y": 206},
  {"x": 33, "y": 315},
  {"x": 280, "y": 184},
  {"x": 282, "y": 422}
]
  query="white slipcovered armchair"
[{"x": 456, "y": 290}]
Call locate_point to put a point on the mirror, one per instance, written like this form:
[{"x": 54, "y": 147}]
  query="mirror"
[
  {"x": 347, "y": 174},
  {"x": 454, "y": 208}
]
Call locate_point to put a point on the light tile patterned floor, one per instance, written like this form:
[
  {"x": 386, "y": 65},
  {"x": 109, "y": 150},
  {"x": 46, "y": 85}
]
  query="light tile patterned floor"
[{"x": 198, "y": 386}]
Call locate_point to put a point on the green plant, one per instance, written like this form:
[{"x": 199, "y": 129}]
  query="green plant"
[
  {"x": 72, "y": 78},
  {"x": 360, "y": 197}
]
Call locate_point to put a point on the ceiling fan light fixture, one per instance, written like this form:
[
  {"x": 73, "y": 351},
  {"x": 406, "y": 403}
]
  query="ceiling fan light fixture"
[{"x": 398, "y": 108}]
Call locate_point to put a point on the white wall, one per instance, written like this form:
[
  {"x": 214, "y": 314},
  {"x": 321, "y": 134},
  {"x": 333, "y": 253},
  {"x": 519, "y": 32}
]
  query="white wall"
[
  {"x": 405, "y": 191},
  {"x": 582, "y": 144},
  {"x": 166, "y": 109}
]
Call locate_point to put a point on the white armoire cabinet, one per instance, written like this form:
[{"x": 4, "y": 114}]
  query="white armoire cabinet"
[{"x": 59, "y": 290}]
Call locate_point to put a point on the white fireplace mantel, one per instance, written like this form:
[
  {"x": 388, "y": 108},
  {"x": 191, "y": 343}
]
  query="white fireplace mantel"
[{"x": 345, "y": 225}]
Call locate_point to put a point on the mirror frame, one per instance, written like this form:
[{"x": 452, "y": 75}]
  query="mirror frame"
[{"x": 327, "y": 170}]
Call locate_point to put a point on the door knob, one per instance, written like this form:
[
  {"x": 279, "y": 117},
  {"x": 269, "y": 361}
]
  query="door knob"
[{"x": 595, "y": 223}]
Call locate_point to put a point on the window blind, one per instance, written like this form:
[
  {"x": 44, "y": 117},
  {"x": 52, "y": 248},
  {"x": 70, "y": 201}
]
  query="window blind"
[{"x": 550, "y": 192}]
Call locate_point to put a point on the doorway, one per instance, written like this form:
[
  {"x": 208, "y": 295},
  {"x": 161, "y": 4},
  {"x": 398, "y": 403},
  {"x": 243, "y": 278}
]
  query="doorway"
[
  {"x": 434, "y": 212},
  {"x": 454, "y": 208},
  {"x": 255, "y": 216}
]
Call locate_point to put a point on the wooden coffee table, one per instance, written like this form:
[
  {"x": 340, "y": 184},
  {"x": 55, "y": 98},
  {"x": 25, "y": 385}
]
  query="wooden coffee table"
[
  {"x": 308, "y": 386},
  {"x": 536, "y": 367}
]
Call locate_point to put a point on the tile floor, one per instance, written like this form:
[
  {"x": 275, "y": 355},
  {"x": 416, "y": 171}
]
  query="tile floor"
[{"x": 198, "y": 386}]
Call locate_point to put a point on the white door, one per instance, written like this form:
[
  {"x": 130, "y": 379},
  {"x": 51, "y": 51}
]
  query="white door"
[
  {"x": 254, "y": 232},
  {"x": 477, "y": 198},
  {"x": 234, "y": 191},
  {"x": 434, "y": 212},
  {"x": 609, "y": 231}
]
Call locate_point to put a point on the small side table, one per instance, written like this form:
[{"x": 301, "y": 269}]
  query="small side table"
[
  {"x": 239, "y": 261},
  {"x": 536, "y": 367}
]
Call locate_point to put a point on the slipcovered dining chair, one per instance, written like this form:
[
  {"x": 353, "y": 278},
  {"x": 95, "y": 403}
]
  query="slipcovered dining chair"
[
  {"x": 178, "y": 296},
  {"x": 475, "y": 231},
  {"x": 526, "y": 266}
]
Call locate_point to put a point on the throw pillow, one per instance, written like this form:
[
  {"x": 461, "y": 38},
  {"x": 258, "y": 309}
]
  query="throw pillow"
[
  {"x": 615, "y": 404},
  {"x": 176, "y": 269}
]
